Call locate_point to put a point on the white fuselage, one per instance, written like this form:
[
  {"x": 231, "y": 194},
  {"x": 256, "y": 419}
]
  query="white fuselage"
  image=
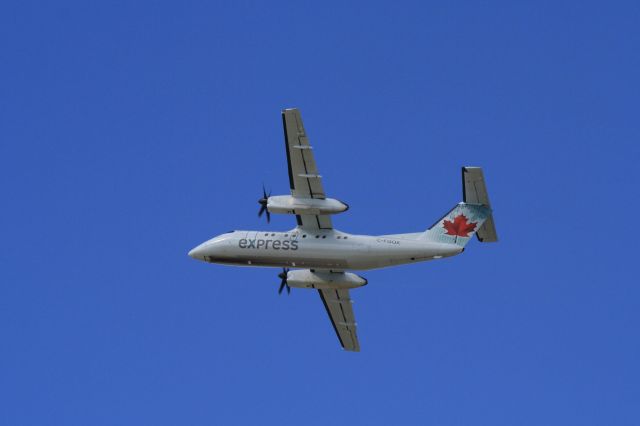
[{"x": 331, "y": 250}]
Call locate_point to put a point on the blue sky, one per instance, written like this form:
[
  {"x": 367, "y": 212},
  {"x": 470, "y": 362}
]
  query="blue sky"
[{"x": 132, "y": 131}]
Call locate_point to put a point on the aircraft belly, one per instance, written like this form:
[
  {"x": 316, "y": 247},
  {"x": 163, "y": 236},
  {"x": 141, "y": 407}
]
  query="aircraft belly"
[
  {"x": 300, "y": 258},
  {"x": 305, "y": 257},
  {"x": 377, "y": 256}
]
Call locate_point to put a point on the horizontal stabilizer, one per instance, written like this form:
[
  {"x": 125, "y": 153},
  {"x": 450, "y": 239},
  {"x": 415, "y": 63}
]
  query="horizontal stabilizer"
[{"x": 474, "y": 191}]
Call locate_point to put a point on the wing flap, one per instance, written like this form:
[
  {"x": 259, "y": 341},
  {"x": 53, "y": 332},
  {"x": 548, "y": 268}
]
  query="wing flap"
[
  {"x": 304, "y": 179},
  {"x": 340, "y": 310}
]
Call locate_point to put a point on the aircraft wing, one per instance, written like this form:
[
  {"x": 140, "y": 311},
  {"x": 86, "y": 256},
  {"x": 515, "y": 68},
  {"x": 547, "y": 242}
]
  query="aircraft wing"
[
  {"x": 304, "y": 179},
  {"x": 338, "y": 306}
]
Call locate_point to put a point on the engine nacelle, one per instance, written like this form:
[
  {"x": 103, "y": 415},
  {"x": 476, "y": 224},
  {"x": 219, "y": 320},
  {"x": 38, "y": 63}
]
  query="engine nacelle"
[
  {"x": 294, "y": 205},
  {"x": 339, "y": 280}
]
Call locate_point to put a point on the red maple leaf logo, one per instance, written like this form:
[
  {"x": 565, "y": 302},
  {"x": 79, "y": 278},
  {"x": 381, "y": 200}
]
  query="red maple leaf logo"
[{"x": 460, "y": 227}]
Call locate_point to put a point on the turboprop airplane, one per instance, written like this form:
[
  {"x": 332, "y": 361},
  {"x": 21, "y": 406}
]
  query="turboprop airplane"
[{"x": 322, "y": 255}]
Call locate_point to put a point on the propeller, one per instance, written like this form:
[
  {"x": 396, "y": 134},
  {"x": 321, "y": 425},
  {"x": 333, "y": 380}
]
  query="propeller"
[
  {"x": 263, "y": 204},
  {"x": 283, "y": 276}
]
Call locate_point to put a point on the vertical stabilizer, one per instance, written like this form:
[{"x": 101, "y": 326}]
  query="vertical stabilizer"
[
  {"x": 472, "y": 216},
  {"x": 459, "y": 225}
]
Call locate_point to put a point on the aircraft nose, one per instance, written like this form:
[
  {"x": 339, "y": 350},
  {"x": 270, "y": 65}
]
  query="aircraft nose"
[
  {"x": 209, "y": 250},
  {"x": 197, "y": 252}
]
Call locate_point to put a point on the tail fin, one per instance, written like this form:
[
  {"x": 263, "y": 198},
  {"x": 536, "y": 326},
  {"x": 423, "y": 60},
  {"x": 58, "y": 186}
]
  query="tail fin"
[
  {"x": 469, "y": 217},
  {"x": 459, "y": 225}
]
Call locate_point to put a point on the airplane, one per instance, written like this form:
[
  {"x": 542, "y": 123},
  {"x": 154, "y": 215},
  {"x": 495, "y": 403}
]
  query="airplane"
[{"x": 323, "y": 255}]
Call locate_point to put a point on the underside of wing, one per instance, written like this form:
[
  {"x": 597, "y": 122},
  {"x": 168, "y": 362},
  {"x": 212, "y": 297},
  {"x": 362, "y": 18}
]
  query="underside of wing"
[
  {"x": 304, "y": 179},
  {"x": 317, "y": 221},
  {"x": 339, "y": 307}
]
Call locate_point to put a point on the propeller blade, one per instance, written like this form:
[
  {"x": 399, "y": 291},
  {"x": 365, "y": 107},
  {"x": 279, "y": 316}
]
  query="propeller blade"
[
  {"x": 263, "y": 204},
  {"x": 283, "y": 283}
]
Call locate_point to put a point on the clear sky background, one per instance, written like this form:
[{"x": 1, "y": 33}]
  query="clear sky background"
[{"x": 132, "y": 131}]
